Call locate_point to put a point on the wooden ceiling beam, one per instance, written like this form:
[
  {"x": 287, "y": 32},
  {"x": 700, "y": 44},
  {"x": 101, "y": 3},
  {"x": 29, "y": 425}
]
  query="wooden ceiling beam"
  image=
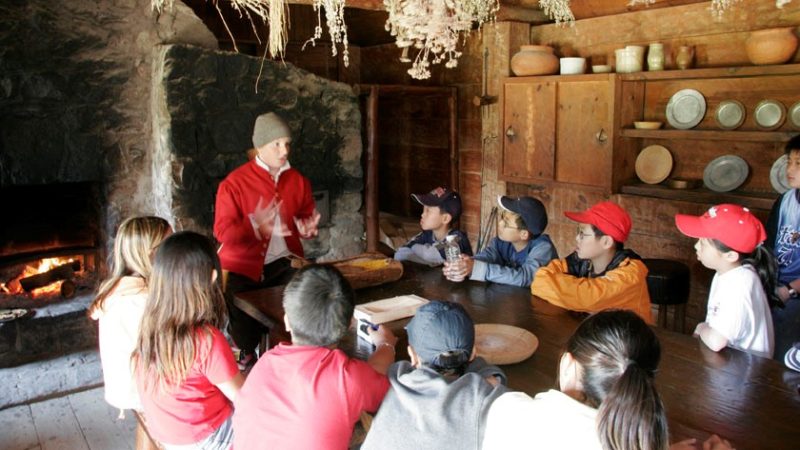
[{"x": 370, "y": 5}]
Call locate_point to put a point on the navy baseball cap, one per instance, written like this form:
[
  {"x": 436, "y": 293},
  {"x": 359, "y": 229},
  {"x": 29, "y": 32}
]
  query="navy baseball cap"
[
  {"x": 442, "y": 334},
  {"x": 530, "y": 209},
  {"x": 445, "y": 199}
]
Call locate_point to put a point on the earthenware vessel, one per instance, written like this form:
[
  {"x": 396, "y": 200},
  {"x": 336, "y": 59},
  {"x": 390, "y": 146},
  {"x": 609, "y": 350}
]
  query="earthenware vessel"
[
  {"x": 534, "y": 60},
  {"x": 655, "y": 56},
  {"x": 771, "y": 46},
  {"x": 684, "y": 57}
]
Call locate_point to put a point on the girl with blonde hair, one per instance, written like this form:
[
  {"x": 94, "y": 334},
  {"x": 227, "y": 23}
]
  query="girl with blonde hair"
[
  {"x": 119, "y": 305},
  {"x": 185, "y": 371}
]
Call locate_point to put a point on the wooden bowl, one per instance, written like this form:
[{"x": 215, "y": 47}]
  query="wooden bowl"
[
  {"x": 683, "y": 183},
  {"x": 647, "y": 125}
]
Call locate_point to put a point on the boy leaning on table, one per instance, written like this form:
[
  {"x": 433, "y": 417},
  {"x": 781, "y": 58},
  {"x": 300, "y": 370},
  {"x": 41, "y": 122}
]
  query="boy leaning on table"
[
  {"x": 309, "y": 394},
  {"x": 601, "y": 273},
  {"x": 519, "y": 250}
]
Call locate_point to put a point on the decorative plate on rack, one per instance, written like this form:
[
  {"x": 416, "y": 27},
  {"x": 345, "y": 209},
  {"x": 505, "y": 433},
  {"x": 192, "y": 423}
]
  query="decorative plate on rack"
[
  {"x": 653, "y": 164},
  {"x": 725, "y": 173},
  {"x": 769, "y": 114},
  {"x": 777, "y": 175},
  {"x": 504, "y": 344},
  {"x": 7, "y": 315},
  {"x": 730, "y": 114},
  {"x": 794, "y": 115},
  {"x": 686, "y": 108}
]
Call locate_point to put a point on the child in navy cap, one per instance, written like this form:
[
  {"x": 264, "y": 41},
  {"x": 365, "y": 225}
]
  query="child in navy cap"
[
  {"x": 520, "y": 248},
  {"x": 441, "y": 208},
  {"x": 440, "y": 398}
]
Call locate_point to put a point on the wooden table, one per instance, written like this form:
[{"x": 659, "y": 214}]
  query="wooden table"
[{"x": 753, "y": 402}]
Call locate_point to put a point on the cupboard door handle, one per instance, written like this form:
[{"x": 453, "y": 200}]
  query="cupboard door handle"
[
  {"x": 601, "y": 136},
  {"x": 510, "y": 133}
]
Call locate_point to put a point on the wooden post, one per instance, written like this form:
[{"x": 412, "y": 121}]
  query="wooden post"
[
  {"x": 452, "y": 102},
  {"x": 371, "y": 189}
]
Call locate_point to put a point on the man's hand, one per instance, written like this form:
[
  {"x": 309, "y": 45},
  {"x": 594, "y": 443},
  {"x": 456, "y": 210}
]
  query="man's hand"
[
  {"x": 308, "y": 227},
  {"x": 264, "y": 217}
]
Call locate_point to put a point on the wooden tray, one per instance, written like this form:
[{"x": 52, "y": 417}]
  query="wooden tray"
[
  {"x": 364, "y": 270},
  {"x": 389, "y": 309}
]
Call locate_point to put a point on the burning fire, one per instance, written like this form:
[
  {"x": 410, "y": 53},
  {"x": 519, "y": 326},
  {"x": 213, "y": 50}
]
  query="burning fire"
[{"x": 14, "y": 287}]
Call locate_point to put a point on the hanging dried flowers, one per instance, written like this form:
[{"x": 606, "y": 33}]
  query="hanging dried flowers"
[
  {"x": 558, "y": 10},
  {"x": 334, "y": 18}
]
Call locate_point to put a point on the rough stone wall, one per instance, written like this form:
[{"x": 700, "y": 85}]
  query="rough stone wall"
[
  {"x": 204, "y": 107},
  {"x": 74, "y": 93}
]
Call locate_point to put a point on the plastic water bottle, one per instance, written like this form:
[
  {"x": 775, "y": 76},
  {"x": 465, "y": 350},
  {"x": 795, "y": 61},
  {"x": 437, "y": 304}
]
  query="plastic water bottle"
[
  {"x": 452, "y": 250},
  {"x": 452, "y": 253}
]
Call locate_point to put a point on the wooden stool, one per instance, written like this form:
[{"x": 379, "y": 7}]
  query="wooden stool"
[{"x": 668, "y": 285}]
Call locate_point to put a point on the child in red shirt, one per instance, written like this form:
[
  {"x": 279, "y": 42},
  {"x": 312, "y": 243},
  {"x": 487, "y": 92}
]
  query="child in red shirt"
[
  {"x": 185, "y": 372},
  {"x": 309, "y": 394}
]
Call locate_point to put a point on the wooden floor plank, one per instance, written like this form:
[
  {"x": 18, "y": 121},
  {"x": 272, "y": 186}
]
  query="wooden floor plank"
[
  {"x": 100, "y": 424},
  {"x": 16, "y": 427},
  {"x": 57, "y": 426}
]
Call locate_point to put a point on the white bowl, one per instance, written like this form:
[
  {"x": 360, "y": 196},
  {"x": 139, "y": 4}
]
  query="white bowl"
[
  {"x": 601, "y": 68},
  {"x": 572, "y": 66}
]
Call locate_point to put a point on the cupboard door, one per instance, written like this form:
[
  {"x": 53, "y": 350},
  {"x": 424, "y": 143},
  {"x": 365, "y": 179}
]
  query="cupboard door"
[
  {"x": 583, "y": 136},
  {"x": 528, "y": 131}
]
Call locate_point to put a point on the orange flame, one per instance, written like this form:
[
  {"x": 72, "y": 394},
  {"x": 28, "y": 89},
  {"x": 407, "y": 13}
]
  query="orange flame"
[{"x": 13, "y": 286}]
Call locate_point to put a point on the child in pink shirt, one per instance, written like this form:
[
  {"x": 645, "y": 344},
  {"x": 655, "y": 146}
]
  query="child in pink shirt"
[
  {"x": 186, "y": 375},
  {"x": 310, "y": 394}
]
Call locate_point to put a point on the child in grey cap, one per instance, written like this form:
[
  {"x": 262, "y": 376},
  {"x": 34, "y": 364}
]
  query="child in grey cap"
[{"x": 440, "y": 398}]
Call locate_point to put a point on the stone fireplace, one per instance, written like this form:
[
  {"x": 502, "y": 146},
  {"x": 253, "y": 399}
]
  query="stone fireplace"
[{"x": 141, "y": 115}]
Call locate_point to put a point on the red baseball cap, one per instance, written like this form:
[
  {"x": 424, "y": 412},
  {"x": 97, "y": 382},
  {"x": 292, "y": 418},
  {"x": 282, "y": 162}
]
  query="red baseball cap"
[
  {"x": 733, "y": 225},
  {"x": 608, "y": 217}
]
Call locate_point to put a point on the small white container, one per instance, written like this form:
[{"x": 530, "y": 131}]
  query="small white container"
[{"x": 572, "y": 66}]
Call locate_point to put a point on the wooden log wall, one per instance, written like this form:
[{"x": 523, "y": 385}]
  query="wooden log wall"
[{"x": 718, "y": 43}]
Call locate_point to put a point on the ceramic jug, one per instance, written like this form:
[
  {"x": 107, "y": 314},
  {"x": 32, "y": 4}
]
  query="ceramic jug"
[
  {"x": 655, "y": 56},
  {"x": 684, "y": 57}
]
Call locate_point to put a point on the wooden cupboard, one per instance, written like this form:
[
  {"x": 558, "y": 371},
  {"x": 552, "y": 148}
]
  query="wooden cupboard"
[{"x": 558, "y": 130}]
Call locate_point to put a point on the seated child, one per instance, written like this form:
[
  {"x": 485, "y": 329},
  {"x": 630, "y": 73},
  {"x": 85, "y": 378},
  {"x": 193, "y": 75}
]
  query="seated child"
[
  {"x": 729, "y": 242},
  {"x": 440, "y": 399},
  {"x": 600, "y": 273},
  {"x": 783, "y": 231},
  {"x": 120, "y": 303},
  {"x": 441, "y": 208},
  {"x": 309, "y": 394},
  {"x": 184, "y": 367},
  {"x": 518, "y": 251},
  {"x": 607, "y": 397}
]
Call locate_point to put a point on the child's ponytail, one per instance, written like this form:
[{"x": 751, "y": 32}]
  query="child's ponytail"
[
  {"x": 765, "y": 265},
  {"x": 618, "y": 354},
  {"x": 767, "y": 268},
  {"x": 632, "y": 417}
]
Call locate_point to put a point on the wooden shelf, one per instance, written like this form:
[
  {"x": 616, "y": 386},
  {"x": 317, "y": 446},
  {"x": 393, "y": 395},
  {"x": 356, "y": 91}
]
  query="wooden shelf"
[
  {"x": 712, "y": 72},
  {"x": 710, "y": 135},
  {"x": 754, "y": 200}
]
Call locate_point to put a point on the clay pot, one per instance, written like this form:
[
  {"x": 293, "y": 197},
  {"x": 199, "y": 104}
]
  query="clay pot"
[
  {"x": 534, "y": 60},
  {"x": 684, "y": 57},
  {"x": 771, "y": 46}
]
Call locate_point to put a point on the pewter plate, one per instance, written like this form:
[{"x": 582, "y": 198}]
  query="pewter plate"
[
  {"x": 725, "y": 173},
  {"x": 794, "y": 115},
  {"x": 686, "y": 108},
  {"x": 777, "y": 175},
  {"x": 730, "y": 114},
  {"x": 769, "y": 114}
]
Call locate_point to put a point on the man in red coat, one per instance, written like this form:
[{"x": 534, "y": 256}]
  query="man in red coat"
[{"x": 263, "y": 208}]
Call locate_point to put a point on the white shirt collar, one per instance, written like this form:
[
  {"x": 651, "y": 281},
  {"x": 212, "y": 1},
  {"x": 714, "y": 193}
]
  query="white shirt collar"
[{"x": 264, "y": 166}]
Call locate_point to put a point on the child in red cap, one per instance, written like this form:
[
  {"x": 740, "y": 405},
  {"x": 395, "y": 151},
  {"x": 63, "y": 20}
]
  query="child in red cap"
[
  {"x": 601, "y": 273},
  {"x": 729, "y": 241}
]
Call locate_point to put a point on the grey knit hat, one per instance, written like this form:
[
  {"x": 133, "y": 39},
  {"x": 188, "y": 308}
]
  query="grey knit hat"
[{"x": 269, "y": 127}]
